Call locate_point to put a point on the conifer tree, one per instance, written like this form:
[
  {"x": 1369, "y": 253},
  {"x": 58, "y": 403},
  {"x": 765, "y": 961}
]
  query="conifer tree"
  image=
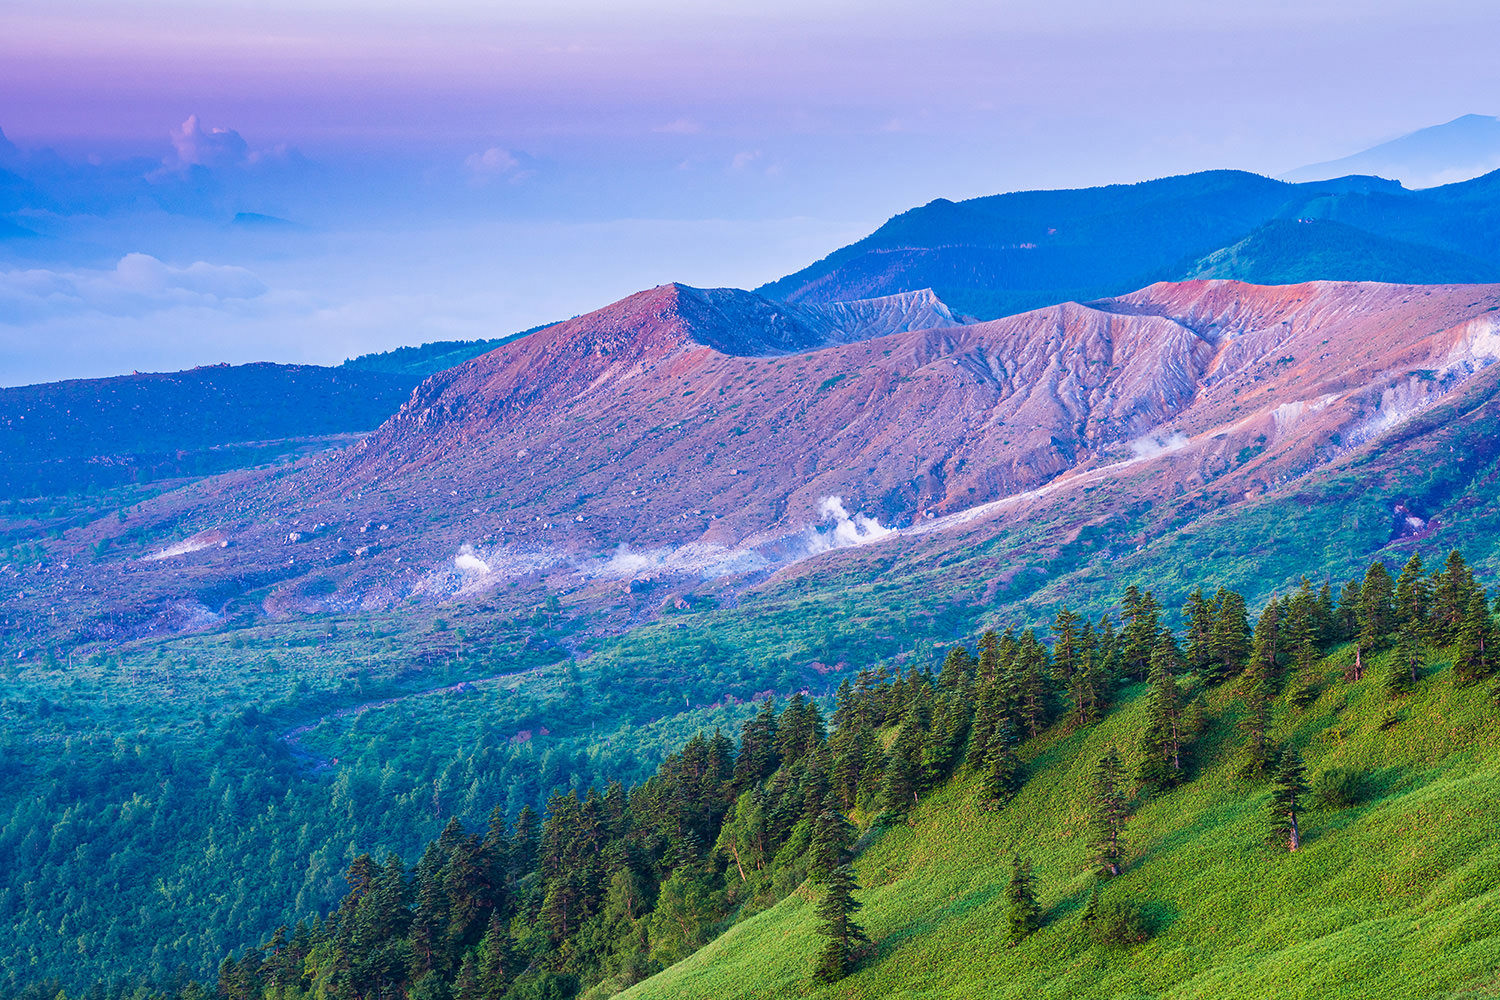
[
  {"x": 1025, "y": 914},
  {"x": 1452, "y": 593},
  {"x": 1407, "y": 664},
  {"x": 1086, "y": 692},
  {"x": 988, "y": 667},
  {"x": 1476, "y": 655},
  {"x": 1265, "y": 659},
  {"x": 1286, "y": 800},
  {"x": 1165, "y": 736},
  {"x": 1299, "y": 626},
  {"x": 1002, "y": 768},
  {"x": 832, "y": 838},
  {"x": 1230, "y": 641},
  {"x": 1259, "y": 753},
  {"x": 1377, "y": 613},
  {"x": 959, "y": 668},
  {"x": 1142, "y": 623},
  {"x": 836, "y": 924},
  {"x": 1413, "y": 593},
  {"x": 1346, "y": 617},
  {"x": 1107, "y": 820},
  {"x": 1067, "y": 644},
  {"x": 902, "y": 774},
  {"x": 1033, "y": 685},
  {"x": 1199, "y": 613}
]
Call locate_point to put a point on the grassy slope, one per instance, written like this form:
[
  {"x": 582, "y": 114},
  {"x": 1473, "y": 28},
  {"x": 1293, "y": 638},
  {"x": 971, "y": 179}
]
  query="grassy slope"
[{"x": 1397, "y": 896}]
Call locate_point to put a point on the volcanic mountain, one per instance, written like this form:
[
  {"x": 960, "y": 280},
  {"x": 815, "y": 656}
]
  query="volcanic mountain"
[{"x": 689, "y": 434}]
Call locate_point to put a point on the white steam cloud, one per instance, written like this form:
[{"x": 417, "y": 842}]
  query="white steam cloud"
[
  {"x": 848, "y": 529},
  {"x": 1152, "y": 445},
  {"x": 474, "y": 571}
]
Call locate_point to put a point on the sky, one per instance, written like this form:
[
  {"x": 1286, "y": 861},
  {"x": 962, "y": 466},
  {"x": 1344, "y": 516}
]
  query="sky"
[{"x": 465, "y": 169}]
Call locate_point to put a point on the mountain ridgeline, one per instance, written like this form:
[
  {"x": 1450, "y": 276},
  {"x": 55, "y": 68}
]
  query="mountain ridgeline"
[
  {"x": 608, "y": 890},
  {"x": 1006, "y": 253}
]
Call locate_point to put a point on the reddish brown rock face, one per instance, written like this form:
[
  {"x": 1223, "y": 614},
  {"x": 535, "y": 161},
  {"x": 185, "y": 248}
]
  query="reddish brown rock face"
[{"x": 707, "y": 431}]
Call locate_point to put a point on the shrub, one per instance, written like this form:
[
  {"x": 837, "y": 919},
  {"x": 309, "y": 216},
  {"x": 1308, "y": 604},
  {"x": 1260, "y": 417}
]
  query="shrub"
[
  {"x": 1116, "y": 923},
  {"x": 1338, "y": 787}
]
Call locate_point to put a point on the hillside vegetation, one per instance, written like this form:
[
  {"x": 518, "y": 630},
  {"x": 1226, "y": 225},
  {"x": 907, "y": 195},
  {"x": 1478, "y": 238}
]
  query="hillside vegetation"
[
  {"x": 1397, "y": 894},
  {"x": 1305, "y": 807}
]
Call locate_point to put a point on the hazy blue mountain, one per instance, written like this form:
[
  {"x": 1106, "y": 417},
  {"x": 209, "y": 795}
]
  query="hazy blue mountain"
[
  {"x": 1286, "y": 251},
  {"x": 1440, "y": 154},
  {"x": 1007, "y": 253}
]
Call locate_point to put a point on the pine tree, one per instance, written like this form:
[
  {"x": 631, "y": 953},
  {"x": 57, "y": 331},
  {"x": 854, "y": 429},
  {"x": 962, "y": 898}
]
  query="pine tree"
[
  {"x": 1476, "y": 655},
  {"x": 1377, "y": 612},
  {"x": 1199, "y": 613},
  {"x": 1002, "y": 768},
  {"x": 1230, "y": 640},
  {"x": 836, "y": 924},
  {"x": 1025, "y": 914},
  {"x": 1406, "y": 667},
  {"x": 1265, "y": 665},
  {"x": 1165, "y": 735},
  {"x": 1108, "y": 815},
  {"x": 832, "y": 838},
  {"x": 1413, "y": 593},
  {"x": 1286, "y": 800},
  {"x": 1259, "y": 753}
]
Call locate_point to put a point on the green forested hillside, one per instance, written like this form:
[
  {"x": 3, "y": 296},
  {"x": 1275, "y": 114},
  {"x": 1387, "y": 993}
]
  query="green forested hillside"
[
  {"x": 1085, "y": 811},
  {"x": 1397, "y": 894}
]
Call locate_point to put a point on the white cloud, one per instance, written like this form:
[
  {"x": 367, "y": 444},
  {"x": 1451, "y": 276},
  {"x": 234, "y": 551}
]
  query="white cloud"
[
  {"x": 214, "y": 147},
  {"x": 139, "y": 284},
  {"x": 744, "y": 159}
]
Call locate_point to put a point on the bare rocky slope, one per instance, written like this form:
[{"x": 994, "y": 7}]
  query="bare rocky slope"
[{"x": 683, "y": 435}]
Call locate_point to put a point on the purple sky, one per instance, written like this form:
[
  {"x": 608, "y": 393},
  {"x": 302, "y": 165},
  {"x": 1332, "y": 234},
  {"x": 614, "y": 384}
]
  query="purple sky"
[{"x": 742, "y": 138}]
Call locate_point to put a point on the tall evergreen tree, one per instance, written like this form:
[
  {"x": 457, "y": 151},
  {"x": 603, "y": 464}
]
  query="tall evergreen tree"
[
  {"x": 1407, "y": 665},
  {"x": 1413, "y": 593},
  {"x": 1286, "y": 800},
  {"x": 1230, "y": 641},
  {"x": 1377, "y": 614},
  {"x": 1025, "y": 914},
  {"x": 1302, "y": 627},
  {"x": 1476, "y": 655},
  {"x": 1002, "y": 768},
  {"x": 1142, "y": 624},
  {"x": 832, "y": 838},
  {"x": 1259, "y": 754},
  {"x": 1265, "y": 659},
  {"x": 1107, "y": 819},
  {"x": 1165, "y": 737},
  {"x": 1452, "y": 592},
  {"x": 836, "y": 924},
  {"x": 1199, "y": 613},
  {"x": 1067, "y": 644}
]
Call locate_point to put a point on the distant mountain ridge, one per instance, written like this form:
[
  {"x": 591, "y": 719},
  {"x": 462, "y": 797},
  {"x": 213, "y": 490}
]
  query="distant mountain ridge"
[
  {"x": 1003, "y": 254},
  {"x": 1463, "y": 148}
]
